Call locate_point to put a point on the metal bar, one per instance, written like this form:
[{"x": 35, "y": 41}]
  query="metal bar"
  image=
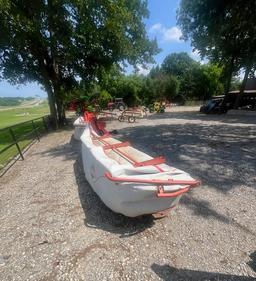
[
  {"x": 154, "y": 161},
  {"x": 192, "y": 183},
  {"x": 116, "y": 145},
  {"x": 7, "y": 147},
  {"x": 161, "y": 194},
  {"x": 17, "y": 145},
  {"x": 129, "y": 158},
  {"x": 23, "y": 137},
  {"x": 35, "y": 130}
]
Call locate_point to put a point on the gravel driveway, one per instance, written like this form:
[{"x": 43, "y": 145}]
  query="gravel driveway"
[{"x": 54, "y": 227}]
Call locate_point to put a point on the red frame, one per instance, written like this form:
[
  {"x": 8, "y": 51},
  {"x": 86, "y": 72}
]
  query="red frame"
[
  {"x": 193, "y": 183},
  {"x": 161, "y": 194},
  {"x": 116, "y": 145},
  {"x": 154, "y": 162}
]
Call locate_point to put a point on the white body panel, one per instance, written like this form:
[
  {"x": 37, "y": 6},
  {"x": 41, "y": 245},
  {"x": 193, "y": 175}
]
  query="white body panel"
[
  {"x": 79, "y": 125},
  {"x": 129, "y": 199}
]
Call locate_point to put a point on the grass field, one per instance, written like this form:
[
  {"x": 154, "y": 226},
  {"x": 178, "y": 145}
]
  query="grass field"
[
  {"x": 17, "y": 115},
  {"x": 23, "y": 132}
]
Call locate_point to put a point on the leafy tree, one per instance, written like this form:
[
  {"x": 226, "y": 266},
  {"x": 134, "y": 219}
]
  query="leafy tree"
[
  {"x": 57, "y": 43},
  {"x": 178, "y": 64},
  {"x": 208, "y": 82},
  {"x": 184, "y": 68},
  {"x": 129, "y": 88},
  {"x": 224, "y": 31}
]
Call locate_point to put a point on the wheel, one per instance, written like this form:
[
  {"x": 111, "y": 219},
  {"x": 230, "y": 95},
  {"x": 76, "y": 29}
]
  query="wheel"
[
  {"x": 121, "y": 118},
  {"x": 131, "y": 119},
  {"x": 121, "y": 107}
]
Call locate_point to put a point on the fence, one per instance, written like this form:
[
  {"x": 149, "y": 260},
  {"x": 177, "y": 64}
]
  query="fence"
[{"x": 15, "y": 139}]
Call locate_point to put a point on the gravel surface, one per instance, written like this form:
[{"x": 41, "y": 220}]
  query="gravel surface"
[{"x": 54, "y": 227}]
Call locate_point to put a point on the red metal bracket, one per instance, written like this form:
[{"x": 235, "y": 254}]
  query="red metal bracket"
[
  {"x": 154, "y": 161},
  {"x": 161, "y": 194},
  {"x": 192, "y": 183},
  {"x": 116, "y": 145}
]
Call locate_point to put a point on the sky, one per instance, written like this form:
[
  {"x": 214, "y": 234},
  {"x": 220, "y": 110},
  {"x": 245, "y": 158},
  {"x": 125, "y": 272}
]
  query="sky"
[{"x": 161, "y": 25}]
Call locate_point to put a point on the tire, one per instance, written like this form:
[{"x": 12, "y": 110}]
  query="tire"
[
  {"x": 121, "y": 107},
  {"x": 121, "y": 118},
  {"x": 131, "y": 119}
]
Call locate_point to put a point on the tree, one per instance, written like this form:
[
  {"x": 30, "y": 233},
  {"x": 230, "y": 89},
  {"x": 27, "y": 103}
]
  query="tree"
[
  {"x": 129, "y": 88},
  {"x": 224, "y": 31},
  {"x": 57, "y": 43},
  {"x": 208, "y": 81},
  {"x": 178, "y": 64},
  {"x": 185, "y": 69}
]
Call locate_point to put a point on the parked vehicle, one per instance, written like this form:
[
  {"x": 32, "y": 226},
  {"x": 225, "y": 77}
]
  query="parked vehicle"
[
  {"x": 213, "y": 105},
  {"x": 221, "y": 104},
  {"x": 118, "y": 103}
]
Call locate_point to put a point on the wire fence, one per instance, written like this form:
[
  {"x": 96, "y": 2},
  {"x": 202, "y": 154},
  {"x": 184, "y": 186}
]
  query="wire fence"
[{"x": 15, "y": 139}]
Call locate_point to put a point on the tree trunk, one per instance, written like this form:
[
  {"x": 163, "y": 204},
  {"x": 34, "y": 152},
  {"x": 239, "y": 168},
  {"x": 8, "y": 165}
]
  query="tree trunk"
[
  {"x": 52, "y": 105},
  {"x": 240, "y": 95},
  {"x": 229, "y": 76},
  {"x": 228, "y": 83},
  {"x": 59, "y": 102},
  {"x": 61, "y": 112}
]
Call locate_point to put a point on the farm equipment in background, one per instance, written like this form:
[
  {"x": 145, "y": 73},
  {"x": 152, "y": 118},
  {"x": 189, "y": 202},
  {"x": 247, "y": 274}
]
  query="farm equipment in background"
[
  {"x": 132, "y": 114},
  {"x": 118, "y": 103},
  {"x": 158, "y": 107},
  {"x": 127, "y": 114}
]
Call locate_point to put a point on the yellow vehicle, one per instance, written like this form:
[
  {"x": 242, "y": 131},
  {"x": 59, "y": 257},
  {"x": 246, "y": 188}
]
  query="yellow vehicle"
[{"x": 157, "y": 107}]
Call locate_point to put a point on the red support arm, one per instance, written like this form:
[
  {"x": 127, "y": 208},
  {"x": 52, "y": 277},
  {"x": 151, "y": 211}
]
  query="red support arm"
[
  {"x": 192, "y": 183},
  {"x": 116, "y": 145},
  {"x": 154, "y": 161},
  {"x": 161, "y": 194}
]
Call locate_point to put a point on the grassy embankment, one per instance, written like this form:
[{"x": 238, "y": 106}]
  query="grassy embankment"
[{"x": 23, "y": 132}]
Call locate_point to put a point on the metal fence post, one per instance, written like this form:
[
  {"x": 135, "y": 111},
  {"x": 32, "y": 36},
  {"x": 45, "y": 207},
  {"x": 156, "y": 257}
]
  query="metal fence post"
[
  {"x": 35, "y": 130},
  {"x": 17, "y": 145}
]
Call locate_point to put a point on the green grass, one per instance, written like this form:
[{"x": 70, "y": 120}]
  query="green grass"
[
  {"x": 9, "y": 117},
  {"x": 23, "y": 132}
]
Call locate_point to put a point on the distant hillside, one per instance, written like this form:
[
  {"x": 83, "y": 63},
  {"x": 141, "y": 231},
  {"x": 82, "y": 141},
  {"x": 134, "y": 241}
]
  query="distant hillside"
[{"x": 13, "y": 101}]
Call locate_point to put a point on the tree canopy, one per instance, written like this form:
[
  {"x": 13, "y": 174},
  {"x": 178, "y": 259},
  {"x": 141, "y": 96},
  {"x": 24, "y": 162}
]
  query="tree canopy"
[
  {"x": 59, "y": 42},
  {"x": 224, "y": 31}
]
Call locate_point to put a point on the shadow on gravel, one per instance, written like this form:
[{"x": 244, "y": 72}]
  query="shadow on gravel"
[
  {"x": 192, "y": 115},
  {"x": 97, "y": 215},
  {"x": 222, "y": 156},
  {"x": 203, "y": 208},
  {"x": 170, "y": 273},
  {"x": 252, "y": 262},
  {"x": 68, "y": 150}
]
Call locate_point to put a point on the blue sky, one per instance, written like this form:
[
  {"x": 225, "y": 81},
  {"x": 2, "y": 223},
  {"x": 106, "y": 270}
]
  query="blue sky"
[{"x": 161, "y": 25}]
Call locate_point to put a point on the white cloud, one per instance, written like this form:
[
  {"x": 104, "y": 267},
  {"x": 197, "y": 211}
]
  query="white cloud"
[
  {"x": 142, "y": 70},
  {"x": 167, "y": 34},
  {"x": 155, "y": 27},
  {"x": 172, "y": 34}
]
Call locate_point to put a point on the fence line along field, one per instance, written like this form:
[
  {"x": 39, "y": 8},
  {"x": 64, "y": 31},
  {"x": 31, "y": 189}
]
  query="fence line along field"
[{"x": 23, "y": 132}]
